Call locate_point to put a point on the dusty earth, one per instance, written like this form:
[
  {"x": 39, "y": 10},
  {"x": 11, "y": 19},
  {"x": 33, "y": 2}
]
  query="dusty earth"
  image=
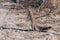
[{"x": 15, "y": 25}]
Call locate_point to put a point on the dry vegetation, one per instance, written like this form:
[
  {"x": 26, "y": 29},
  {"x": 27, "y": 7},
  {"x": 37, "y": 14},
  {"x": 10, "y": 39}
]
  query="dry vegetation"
[{"x": 30, "y": 20}]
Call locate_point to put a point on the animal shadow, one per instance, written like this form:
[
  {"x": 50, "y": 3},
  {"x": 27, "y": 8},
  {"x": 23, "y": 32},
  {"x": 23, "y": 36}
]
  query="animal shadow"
[{"x": 41, "y": 29}]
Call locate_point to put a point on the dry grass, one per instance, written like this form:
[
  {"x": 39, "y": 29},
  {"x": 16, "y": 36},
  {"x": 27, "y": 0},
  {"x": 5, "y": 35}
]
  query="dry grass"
[{"x": 16, "y": 23}]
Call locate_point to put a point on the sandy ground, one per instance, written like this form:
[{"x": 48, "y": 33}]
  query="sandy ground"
[{"x": 15, "y": 26}]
